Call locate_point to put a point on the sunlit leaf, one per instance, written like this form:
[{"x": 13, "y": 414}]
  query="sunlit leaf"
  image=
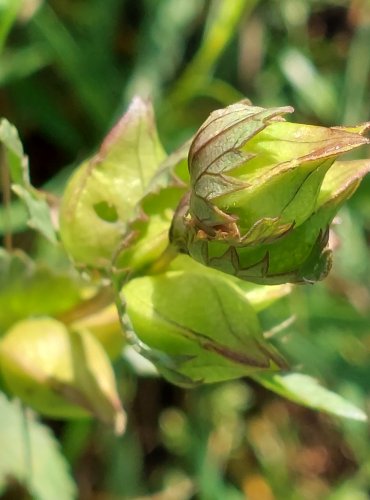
[
  {"x": 150, "y": 231},
  {"x": 102, "y": 195},
  {"x": 34, "y": 200},
  {"x": 16, "y": 160},
  {"x": 259, "y": 296},
  {"x": 59, "y": 372},
  {"x": 307, "y": 391}
]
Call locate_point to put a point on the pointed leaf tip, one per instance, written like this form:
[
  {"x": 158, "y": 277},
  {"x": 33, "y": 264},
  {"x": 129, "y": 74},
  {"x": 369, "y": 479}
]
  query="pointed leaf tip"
[
  {"x": 103, "y": 194},
  {"x": 307, "y": 391}
]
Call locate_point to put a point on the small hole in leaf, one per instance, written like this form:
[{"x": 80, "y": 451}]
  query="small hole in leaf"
[{"x": 106, "y": 211}]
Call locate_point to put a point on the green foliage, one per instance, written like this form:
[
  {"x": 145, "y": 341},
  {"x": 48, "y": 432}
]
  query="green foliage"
[
  {"x": 35, "y": 201},
  {"x": 67, "y": 73},
  {"x": 31, "y": 455}
]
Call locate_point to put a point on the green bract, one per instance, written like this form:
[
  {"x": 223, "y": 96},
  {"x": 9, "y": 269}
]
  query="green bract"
[
  {"x": 264, "y": 192},
  {"x": 200, "y": 327},
  {"x": 118, "y": 206},
  {"x": 101, "y": 198}
]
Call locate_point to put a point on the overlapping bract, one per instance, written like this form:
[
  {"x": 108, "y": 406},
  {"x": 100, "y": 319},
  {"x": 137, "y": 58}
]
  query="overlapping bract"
[
  {"x": 264, "y": 192},
  {"x": 200, "y": 326}
]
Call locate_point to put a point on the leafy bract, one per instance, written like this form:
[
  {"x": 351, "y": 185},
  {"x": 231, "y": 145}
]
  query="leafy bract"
[
  {"x": 35, "y": 201},
  {"x": 341, "y": 181},
  {"x": 307, "y": 391},
  {"x": 149, "y": 232},
  {"x": 30, "y": 454},
  {"x": 103, "y": 194},
  {"x": 259, "y": 296},
  {"x": 203, "y": 323},
  {"x": 289, "y": 160},
  {"x": 102, "y": 322}
]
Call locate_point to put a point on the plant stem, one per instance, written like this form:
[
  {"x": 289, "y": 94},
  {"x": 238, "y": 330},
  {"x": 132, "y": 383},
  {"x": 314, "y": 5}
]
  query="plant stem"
[
  {"x": 27, "y": 443},
  {"x": 6, "y": 196}
]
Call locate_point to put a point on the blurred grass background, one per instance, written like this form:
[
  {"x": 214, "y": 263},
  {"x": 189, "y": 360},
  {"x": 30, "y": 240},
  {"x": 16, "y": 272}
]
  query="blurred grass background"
[{"x": 68, "y": 70}]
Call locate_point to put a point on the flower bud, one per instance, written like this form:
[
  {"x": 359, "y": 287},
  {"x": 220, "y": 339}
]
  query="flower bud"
[
  {"x": 263, "y": 193},
  {"x": 60, "y": 373}
]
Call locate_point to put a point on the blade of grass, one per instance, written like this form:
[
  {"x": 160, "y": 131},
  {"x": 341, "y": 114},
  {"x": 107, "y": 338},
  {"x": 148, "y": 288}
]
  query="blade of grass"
[
  {"x": 8, "y": 14},
  {"x": 73, "y": 65},
  {"x": 21, "y": 63},
  {"x": 316, "y": 92},
  {"x": 356, "y": 82},
  {"x": 161, "y": 44},
  {"x": 221, "y": 25}
]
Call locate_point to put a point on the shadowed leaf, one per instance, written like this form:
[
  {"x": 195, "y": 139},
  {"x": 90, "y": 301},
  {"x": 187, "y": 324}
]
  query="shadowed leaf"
[{"x": 33, "y": 459}]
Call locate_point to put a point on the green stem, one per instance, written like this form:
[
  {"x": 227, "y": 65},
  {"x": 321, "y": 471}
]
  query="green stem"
[
  {"x": 27, "y": 444},
  {"x": 222, "y": 23},
  {"x": 6, "y": 195}
]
